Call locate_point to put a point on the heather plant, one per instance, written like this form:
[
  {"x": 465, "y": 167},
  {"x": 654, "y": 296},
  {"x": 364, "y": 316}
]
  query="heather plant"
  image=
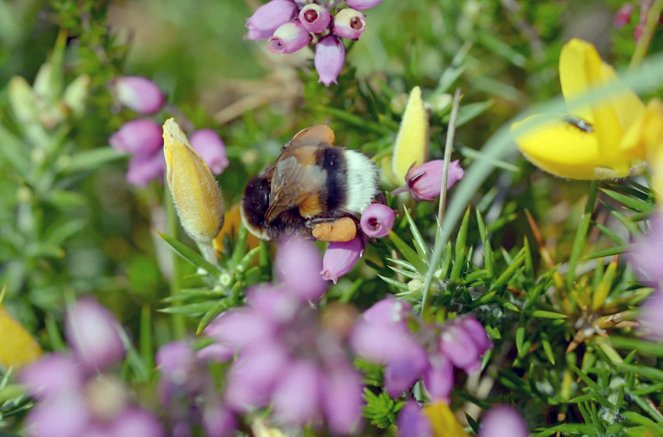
[{"x": 504, "y": 280}]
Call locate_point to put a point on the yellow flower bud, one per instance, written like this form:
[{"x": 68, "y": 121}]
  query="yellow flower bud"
[
  {"x": 412, "y": 141},
  {"x": 17, "y": 347},
  {"x": 443, "y": 420},
  {"x": 194, "y": 190}
]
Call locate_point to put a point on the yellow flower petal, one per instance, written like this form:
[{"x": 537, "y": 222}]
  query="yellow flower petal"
[
  {"x": 17, "y": 347},
  {"x": 192, "y": 185},
  {"x": 562, "y": 149},
  {"x": 444, "y": 421},
  {"x": 412, "y": 141},
  {"x": 230, "y": 227}
]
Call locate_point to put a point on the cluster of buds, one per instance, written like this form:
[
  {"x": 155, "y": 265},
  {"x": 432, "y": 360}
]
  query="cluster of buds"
[
  {"x": 291, "y": 25},
  {"x": 383, "y": 336},
  {"x": 626, "y": 12},
  {"x": 141, "y": 137},
  {"x": 73, "y": 397}
]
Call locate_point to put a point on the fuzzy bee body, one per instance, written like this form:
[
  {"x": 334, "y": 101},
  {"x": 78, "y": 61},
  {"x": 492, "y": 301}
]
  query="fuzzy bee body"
[{"x": 311, "y": 181}]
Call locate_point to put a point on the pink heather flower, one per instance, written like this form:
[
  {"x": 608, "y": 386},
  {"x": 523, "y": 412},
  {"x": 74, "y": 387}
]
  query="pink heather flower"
[
  {"x": 412, "y": 422},
  {"x": 401, "y": 373},
  {"x": 645, "y": 254},
  {"x": 211, "y": 148},
  {"x": 388, "y": 311},
  {"x": 296, "y": 398},
  {"x": 66, "y": 415},
  {"x": 289, "y": 38},
  {"x": 651, "y": 316},
  {"x": 215, "y": 352},
  {"x": 93, "y": 334},
  {"x": 136, "y": 422},
  {"x": 314, "y": 18},
  {"x": 457, "y": 345},
  {"x": 477, "y": 332},
  {"x": 241, "y": 328},
  {"x": 340, "y": 258},
  {"x": 218, "y": 420},
  {"x": 138, "y": 137},
  {"x": 268, "y": 17},
  {"x": 52, "y": 375},
  {"x": 342, "y": 399},
  {"x": 140, "y": 94},
  {"x": 623, "y": 15},
  {"x": 503, "y": 421},
  {"x": 298, "y": 264},
  {"x": 144, "y": 169},
  {"x": 439, "y": 378},
  {"x": 377, "y": 220},
  {"x": 363, "y": 4},
  {"x": 424, "y": 181},
  {"x": 176, "y": 361},
  {"x": 329, "y": 59},
  {"x": 349, "y": 23}
]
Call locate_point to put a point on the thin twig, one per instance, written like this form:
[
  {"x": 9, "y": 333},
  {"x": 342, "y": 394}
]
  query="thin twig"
[{"x": 645, "y": 39}]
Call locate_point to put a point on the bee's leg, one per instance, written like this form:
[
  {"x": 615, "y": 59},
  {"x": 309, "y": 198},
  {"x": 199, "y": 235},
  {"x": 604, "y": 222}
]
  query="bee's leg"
[{"x": 339, "y": 230}]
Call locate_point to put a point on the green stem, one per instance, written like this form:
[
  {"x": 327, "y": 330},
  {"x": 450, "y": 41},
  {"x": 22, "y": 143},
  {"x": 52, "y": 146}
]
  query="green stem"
[
  {"x": 179, "y": 326},
  {"x": 581, "y": 234},
  {"x": 642, "y": 46}
]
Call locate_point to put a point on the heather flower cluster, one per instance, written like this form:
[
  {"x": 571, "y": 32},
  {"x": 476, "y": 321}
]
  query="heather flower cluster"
[
  {"x": 142, "y": 140},
  {"x": 292, "y": 25},
  {"x": 74, "y": 396}
]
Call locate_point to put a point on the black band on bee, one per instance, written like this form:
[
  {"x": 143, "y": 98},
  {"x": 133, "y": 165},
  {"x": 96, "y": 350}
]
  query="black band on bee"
[
  {"x": 333, "y": 161},
  {"x": 255, "y": 200}
]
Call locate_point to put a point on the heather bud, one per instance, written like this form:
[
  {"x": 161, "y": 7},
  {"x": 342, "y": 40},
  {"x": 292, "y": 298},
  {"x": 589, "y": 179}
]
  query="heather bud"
[
  {"x": 268, "y": 17},
  {"x": 137, "y": 137},
  {"x": 349, "y": 23},
  {"x": 140, "y": 94},
  {"x": 424, "y": 181},
  {"x": 377, "y": 220},
  {"x": 289, "y": 38},
  {"x": 314, "y": 18},
  {"x": 144, "y": 169},
  {"x": 623, "y": 15},
  {"x": 340, "y": 258},
  {"x": 211, "y": 148},
  {"x": 329, "y": 59},
  {"x": 503, "y": 421},
  {"x": 194, "y": 190},
  {"x": 363, "y": 4}
]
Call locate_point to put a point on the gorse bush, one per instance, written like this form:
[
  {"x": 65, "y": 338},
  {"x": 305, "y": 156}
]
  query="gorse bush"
[{"x": 356, "y": 217}]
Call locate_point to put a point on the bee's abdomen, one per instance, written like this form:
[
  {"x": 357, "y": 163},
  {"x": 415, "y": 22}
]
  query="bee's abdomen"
[{"x": 333, "y": 161}]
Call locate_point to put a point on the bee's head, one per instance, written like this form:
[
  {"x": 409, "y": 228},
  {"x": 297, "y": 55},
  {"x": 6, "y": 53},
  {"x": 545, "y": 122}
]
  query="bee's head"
[{"x": 255, "y": 203}]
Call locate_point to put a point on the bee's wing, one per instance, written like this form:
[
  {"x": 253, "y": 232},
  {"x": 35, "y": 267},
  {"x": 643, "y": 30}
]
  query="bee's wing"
[
  {"x": 312, "y": 136},
  {"x": 292, "y": 183}
]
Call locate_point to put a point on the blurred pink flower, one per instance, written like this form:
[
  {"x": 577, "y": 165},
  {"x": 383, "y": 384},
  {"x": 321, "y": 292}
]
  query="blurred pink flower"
[
  {"x": 64, "y": 415},
  {"x": 136, "y": 422},
  {"x": 314, "y": 18},
  {"x": 503, "y": 421},
  {"x": 412, "y": 422},
  {"x": 296, "y": 398},
  {"x": 298, "y": 264},
  {"x": 52, "y": 375},
  {"x": 439, "y": 378},
  {"x": 289, "y": 38},
  {"x": 140, "y": 94},
  {"x": 138, "y": 137},
  {"x": 342, "y": 399},
  {"x": 349, "y": 23},
  {"x": 363, "y": 4},
  {"x": 144, "y": 169},
  {"x": 340, "y": 258},
  {"x": 645, "y": 254},
  {"x": 623, "y": 15},
  {"x": 651, "y": 316},
  {"x": 211, "y": 148},
  {"x": 176, "y": 361},
  {"x": 218, "y": 420},
  {"x": 329, "y": 59},
  {"x": 377, "y": 220},
  {"x": 268, "y": 17},
  {"x": 424, "y": 181},
  {"x": 94, "y": 334}
]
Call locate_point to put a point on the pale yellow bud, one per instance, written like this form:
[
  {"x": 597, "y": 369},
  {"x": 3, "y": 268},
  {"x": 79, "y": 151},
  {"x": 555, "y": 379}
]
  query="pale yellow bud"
[
  {"x": 194, "y": 190},
  {"x": 411, "y": 145}
]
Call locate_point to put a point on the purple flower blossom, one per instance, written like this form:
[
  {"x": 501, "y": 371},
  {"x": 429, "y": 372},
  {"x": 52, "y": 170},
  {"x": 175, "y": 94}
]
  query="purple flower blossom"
[
  {"x": 297, "y": 396},
  {"x": 623, "y": 15},
  {"x": 211, "y": 148},
  {"x": 176, "y": 361},
  {"x": 93, "y": 333},
  {"x": 363, "y": 4},
  {"x": 298, "y": 264},
  {"x": 349, "y": 23},
  {"x": 645, "y": 255},
  {"x": 136, "y": 422},
  {"x": 268, "y": 17},
  {"x": 289, "y": 38},
  {"x": 140, "y": 94},
  {"x": 651, "y": 316},
  {"x": 314, "y": 18},
  {"x": 218, "y": 420},
  {"x": 340, "y": 258},
  {"x": 412, "y": 422},
  {"x": 329, "y": 59},
  {"x": 138, "y": 137},
  {"x": 439, "y": 378},
  {"x": 424, "y": 181},
  {"x": 65, "y": 415},
  {"x": 342, "y": 399},
  {"x": 377, "y": 220},
  {"x": 39, "y": 376},
  {"x": 503, "y": 421},
  {"x": 144, "y": 169}
]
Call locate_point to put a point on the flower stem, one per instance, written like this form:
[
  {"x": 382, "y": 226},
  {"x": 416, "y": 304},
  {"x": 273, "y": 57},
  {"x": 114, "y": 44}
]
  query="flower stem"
[
  {"x": 179, "y": 327},
  {"x": 581, "y": 235},
  {"x": 642, "y": 46}
]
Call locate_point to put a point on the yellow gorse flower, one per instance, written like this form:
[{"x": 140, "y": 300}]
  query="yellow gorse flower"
[
  {"x": 195, "y": 192},
  {"x": 443, "y": 421},
  {"x": 17, "y": 347},
  {"x": 604, "y": 140},
  {"x": 411, "y": 145}
]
